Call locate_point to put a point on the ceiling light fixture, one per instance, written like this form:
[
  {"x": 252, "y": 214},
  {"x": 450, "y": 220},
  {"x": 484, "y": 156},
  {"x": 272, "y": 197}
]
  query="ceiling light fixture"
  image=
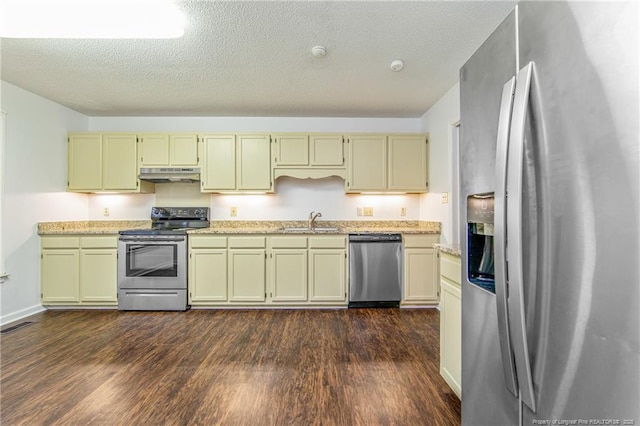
[
  {"x": 319, "y": 52},
  {"x": 397, "y": 65},
  {"x": 90, "y": 19}
]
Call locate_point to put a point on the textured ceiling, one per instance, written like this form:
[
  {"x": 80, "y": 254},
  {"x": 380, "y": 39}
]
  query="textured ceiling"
[{"x": 253, "y": 59}]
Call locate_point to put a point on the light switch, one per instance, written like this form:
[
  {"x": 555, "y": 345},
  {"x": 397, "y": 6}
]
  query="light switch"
[{"x": 359, "y": 211}]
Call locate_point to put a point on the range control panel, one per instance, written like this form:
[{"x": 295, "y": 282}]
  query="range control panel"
[{"x": 192, "y": 213}]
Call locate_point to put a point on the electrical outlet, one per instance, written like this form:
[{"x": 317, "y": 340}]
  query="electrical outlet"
[
  {"x": 368, "y": 211},
  {"x": 445, "y": 198},
  {"x": 234, "y": 212},
  {"x": 105, "y": 212},
  {"x": 403, "y": 211},
  {"x": 359, "y": 211}
]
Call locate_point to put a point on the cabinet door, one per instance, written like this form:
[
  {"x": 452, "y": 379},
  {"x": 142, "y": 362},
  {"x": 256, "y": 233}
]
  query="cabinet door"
[
  {"x": 291, "y": 150},
  {"x": 219, "y": 165},
  {"x": 184, "y": 150},
  {"x": 98, "y": 276},
  {"x": 408, "y": 163},
  {"x": 326, "y": 150},
  {"x": 208, "y": 275},
  {"x": 289, "y": 275},
  {"x": 327, "y": 275},
  {"x": 60, "y": 278},
  {"x": 254, "y": 158},
  {"x": 120, "y": 162},
  {"x": 451, "y": 335},
  {"x": 85, "y": 162},
  {"x": 420, "y": 275},
  {"x": 367, "y": 163},
  {"x": 154, "y": 150},
  {"x": 247, "y": 275}
]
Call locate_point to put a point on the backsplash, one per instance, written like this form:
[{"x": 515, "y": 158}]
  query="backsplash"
[{"x": 293, "y": 200}]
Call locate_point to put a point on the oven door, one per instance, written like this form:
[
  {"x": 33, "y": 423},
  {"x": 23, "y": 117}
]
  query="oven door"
[{"x": 152, "y": 262}]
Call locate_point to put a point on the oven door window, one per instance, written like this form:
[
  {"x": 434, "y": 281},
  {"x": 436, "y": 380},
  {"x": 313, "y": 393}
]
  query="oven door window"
[{"x": 152, "y": 260}]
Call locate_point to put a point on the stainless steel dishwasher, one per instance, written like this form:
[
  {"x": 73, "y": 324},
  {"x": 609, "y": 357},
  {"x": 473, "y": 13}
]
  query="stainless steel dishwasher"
[{"x": 375, "y": 270}]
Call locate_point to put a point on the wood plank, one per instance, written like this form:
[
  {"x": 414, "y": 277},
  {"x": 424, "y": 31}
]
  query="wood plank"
[{"x": 254, "y": 367}]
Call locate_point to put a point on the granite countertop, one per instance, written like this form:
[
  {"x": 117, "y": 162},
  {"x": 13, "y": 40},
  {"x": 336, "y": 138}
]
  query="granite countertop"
[
  {"x": 453, "y": 249},
  {"x": 91, "y": 226},
  {"x": 248, "y": 227}
]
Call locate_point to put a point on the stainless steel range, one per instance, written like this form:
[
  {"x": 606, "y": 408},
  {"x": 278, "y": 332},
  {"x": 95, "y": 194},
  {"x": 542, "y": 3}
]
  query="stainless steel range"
[{"x": 152, "y": 263}]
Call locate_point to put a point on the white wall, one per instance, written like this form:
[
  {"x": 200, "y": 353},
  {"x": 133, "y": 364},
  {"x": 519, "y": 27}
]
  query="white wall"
[
  {"x": 35, "y": 175},
  {"x": 438, "y": 122}
]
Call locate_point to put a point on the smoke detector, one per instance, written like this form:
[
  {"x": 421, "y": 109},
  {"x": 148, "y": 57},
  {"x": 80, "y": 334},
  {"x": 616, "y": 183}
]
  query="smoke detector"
[
  {"x": 397, "y": 65},
  {"x": 318, "y": 51}
]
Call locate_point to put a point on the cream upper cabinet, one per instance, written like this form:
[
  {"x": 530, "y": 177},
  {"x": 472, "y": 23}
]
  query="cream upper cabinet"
[
  {"x": 387, "y": 163},
  {"x": 291, "y": 150},
  {"x": 326, "y": 150},
  {"x": 308, "y": 150},
  {"x": 84, "y": 162},
  {"x": 254, "y": 159},
  {"x": 120, "y": 172},
  {"x": 103, "y": 162},
  {"x": 367, "y": 163},
  {"x": 169, "y": 149},
  {"x": 420, "y": 270},
  {"x": 236, "y": 163},
  {"x": 451, "y": 321},
  {"x": 408, "y": 159},
  {"x": 219, "y": 171}
]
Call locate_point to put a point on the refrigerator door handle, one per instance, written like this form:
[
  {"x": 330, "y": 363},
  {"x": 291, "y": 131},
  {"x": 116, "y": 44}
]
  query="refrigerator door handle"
[
  {"x": 500, "y": 267},
  {"x": 517, "y": 320}
]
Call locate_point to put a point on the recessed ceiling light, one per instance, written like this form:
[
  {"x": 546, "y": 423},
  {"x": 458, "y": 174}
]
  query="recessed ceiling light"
[
  {"x": 318, "y": 51},
  {"x": 397, "y": 65},
  {"x": 90, "y": 19}
]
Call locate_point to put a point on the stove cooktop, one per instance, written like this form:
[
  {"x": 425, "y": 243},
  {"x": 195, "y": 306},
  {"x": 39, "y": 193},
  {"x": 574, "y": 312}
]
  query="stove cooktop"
[{"x": 173, "y": 221}]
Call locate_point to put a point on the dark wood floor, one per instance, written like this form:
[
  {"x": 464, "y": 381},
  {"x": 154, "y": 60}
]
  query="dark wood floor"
[{"x": 253, "y": 367}]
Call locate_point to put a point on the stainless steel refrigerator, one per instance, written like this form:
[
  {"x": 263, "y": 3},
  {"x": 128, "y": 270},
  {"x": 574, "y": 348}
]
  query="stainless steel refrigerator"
[{"x": 549, "y": 164}]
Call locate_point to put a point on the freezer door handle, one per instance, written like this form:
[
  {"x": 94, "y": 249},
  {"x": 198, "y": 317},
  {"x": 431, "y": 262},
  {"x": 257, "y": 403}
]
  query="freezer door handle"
[
  {"x": 515, "y": 281},
  {"x": 500, "y": 267}
]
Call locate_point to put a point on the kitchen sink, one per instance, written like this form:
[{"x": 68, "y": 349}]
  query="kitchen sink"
[{"x": 316, "y": 229}]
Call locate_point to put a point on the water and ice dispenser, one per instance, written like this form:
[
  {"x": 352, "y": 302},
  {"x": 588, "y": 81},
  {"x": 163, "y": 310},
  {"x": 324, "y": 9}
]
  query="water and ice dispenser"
[{"x": 480, "y": 254}]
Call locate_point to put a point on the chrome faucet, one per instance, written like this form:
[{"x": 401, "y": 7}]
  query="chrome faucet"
[{"x": 312, "y": 219}]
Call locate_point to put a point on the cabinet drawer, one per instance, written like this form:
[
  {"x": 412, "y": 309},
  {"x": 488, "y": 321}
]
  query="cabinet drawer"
[
  {"x": 207, "y": 242},
  {"x": 288, "y": 242},
  {"x": 247, "y": 242},
  {"x": 328, "y": 242},
  {"x": 60, "y": 242},
  {"x": 450, "y": 267},
  {"x": 420, "y": 240},
  {"x": 99, "y": 242}
]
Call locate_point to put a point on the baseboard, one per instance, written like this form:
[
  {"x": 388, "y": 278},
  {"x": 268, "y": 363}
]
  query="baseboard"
[{"x": 23, "y": 313}]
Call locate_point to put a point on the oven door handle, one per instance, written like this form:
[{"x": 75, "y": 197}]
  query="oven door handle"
[{"x": 153, "y": 240}]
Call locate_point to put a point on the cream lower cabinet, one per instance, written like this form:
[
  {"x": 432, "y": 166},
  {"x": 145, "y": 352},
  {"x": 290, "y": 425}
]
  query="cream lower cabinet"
[
  {"x": 288, "y": 266},
  {"x": 292, "y": 270},
  {"x": 451, "y": 322},
  {"x": 420, "y": 270},
  {"x": 79, "y": 270},
  {"x": 328, "y": 269}
]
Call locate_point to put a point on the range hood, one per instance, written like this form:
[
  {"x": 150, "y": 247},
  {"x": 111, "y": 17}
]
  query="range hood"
[{"x": 170, "y": 174}]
